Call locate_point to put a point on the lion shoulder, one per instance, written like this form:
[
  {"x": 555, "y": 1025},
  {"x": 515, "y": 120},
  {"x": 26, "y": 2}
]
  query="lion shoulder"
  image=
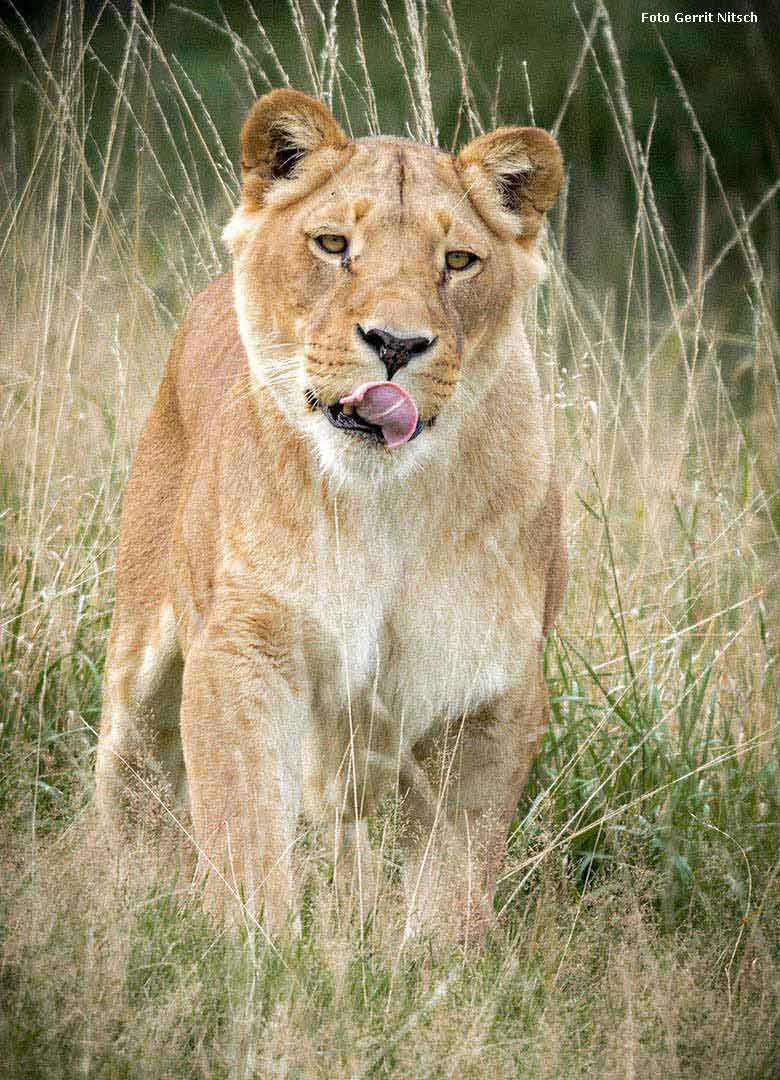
[{"x": 208, "y": 357}]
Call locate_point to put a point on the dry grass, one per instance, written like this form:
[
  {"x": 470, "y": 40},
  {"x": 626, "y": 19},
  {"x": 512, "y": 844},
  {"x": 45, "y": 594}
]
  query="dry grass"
[{"x": 639, "y": 899}]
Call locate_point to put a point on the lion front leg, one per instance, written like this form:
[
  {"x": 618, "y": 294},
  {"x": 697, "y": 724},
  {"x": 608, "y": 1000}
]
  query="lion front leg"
[
  {"x": 477, "y": 768},
  {"x": 241, "y": 732},
  {"x": 139, "y": 756}
]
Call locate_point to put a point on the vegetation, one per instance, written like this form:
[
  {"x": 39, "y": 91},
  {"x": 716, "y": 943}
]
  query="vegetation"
[{"x": 639, "y": 930}]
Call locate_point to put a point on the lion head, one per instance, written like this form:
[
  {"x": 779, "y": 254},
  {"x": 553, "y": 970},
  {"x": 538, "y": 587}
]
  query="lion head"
[{"x": 379, "y": 261}]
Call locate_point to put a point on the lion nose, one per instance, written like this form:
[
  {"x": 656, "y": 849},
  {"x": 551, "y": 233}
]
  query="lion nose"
[{"x": 394, "y": 352}]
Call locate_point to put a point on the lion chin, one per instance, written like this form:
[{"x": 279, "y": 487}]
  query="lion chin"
[{"x": 341, "y": 545}]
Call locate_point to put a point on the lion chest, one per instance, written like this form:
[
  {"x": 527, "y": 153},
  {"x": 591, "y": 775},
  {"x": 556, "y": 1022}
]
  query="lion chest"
[{"x": 435, "y": 633}]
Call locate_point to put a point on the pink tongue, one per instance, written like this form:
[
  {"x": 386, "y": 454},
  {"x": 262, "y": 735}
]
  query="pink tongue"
[{"x": 387, "y": 406}]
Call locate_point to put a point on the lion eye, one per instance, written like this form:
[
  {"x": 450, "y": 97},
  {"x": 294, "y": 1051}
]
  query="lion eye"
[
  {"x": 332, "y": 243},
  {"x": 460, "y": 260}
]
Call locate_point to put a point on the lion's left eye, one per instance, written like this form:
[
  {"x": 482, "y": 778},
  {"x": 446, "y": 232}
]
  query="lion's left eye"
[
  {"x": 460, "y": 260},
  {"x": 332, "y": 243}
]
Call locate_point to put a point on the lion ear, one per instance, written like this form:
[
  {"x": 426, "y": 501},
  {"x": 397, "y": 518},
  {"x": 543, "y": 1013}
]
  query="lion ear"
[
  {"x": 281, "y": 131},
  {"x": 513, "y": 175}
]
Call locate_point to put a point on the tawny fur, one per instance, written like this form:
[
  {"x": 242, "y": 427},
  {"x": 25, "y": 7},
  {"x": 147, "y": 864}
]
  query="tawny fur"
[{"x": 306, "y": 620}]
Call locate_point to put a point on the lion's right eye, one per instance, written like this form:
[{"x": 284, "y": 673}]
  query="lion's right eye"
[
  {"x": 332, "y": 243},
  {"x": 460, "y": 260}
]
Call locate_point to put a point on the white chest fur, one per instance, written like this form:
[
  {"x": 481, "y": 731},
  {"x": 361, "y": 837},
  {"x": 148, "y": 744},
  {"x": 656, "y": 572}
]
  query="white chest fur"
[{"x": 428, "y": 624}]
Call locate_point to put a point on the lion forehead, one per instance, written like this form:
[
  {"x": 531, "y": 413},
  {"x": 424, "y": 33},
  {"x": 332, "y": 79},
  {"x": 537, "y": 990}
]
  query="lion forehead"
[{"x": 400, "y": 178}]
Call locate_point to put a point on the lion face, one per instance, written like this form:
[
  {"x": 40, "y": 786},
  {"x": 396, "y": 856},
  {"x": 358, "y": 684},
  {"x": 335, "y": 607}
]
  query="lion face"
[{"x": 381, "y": 261}]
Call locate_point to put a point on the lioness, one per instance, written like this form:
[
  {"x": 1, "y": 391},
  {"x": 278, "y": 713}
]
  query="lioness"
[{"x": 341, "y": 543}]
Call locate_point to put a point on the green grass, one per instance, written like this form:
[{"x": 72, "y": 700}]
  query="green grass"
[{"x": 638, "y": 930}]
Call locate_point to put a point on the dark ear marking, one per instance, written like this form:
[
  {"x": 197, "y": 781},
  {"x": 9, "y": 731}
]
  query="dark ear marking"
[
  {"x": 513, "y": 188},
  {"x": 283, "y": 155},
  {"x": 286, "y": 156}
]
